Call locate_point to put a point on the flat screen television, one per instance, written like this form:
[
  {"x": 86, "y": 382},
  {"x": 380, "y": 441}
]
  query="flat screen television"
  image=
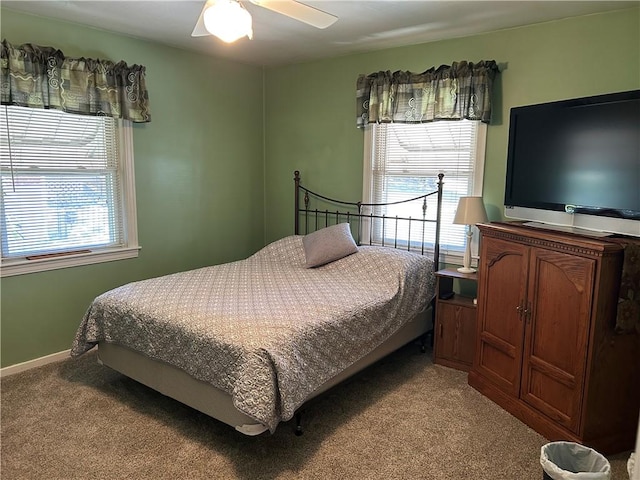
[{"x": 576, "y": 164}]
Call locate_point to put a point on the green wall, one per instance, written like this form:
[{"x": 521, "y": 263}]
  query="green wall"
[
  {"x": 310, "y": 108},
  {"x": 203, "y": 153},
  {"x": 199, "y": 169}
]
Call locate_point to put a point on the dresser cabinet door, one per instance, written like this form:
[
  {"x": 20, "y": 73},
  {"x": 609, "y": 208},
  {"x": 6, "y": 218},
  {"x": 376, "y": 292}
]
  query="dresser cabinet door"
[
  {"x": 558, "y": 314},
  {"x": 502, "y": 283}
]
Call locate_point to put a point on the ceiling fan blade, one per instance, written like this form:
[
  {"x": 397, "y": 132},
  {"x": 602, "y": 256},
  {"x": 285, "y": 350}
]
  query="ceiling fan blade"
[
  {"x": 200, "y": 30},
  {"x": 299, "y": 11}
]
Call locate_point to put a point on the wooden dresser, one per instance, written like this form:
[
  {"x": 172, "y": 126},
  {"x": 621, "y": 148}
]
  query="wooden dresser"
[{"x": 546, "y": 348}]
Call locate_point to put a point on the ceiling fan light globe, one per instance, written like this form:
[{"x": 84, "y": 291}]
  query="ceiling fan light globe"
[{"x": 228, "y": 20}]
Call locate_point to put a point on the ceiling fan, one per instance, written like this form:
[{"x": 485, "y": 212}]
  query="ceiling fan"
[{"x": 229, "y": 20}]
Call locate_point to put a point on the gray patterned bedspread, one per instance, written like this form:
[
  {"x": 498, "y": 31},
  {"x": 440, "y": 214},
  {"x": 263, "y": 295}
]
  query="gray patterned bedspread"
[{"x": 266, "y": 330}]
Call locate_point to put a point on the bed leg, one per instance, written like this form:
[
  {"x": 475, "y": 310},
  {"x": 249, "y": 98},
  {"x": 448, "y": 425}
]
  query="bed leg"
[
  {"x": 298, "y": 430},
  {"x": 424, "y": 341}
]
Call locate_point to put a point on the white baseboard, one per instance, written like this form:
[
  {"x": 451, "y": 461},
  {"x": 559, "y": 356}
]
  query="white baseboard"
[{"x": 37, "y": 362}]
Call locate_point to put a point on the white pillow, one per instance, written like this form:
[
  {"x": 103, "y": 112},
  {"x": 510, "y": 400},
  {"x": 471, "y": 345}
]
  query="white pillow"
[{"x": 328, "y": 244}]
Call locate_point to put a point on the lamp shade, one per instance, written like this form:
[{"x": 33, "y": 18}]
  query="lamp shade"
[
  {"x": 470, "y": 211},
  {"x": 228, "y": 20}
]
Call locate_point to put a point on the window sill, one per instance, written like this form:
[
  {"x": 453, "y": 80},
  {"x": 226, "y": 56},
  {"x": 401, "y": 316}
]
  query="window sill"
[
  {"x": 21, "y": 266},
  {"x": 457, "y": 259},
  {"x": 450, "y": 257}
]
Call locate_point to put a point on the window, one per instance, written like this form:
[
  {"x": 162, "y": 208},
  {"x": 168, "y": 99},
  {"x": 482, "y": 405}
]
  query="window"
[
  {"x": 403, "y": 161},
  {"x": 67, "y": 190}
]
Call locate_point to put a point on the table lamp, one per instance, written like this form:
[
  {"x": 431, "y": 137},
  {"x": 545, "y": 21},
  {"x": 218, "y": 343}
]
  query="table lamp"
[{"x": 470, "y": 211}]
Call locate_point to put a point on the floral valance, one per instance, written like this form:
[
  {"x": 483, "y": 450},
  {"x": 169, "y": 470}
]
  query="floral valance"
[
  {"x": 42, "y": 77},
  {"x": 450, "y": 92}
]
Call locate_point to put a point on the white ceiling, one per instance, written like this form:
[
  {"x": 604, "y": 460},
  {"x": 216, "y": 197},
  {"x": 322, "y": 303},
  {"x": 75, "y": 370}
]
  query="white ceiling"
[{"x": 278, "y": 40}]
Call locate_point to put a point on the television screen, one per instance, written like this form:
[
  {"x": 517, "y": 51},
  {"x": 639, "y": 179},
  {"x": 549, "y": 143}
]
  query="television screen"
[{"x": 579, "y": 156}]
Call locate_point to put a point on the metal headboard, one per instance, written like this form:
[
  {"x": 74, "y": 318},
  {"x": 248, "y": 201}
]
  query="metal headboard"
[{"x": 352, "y": 212}]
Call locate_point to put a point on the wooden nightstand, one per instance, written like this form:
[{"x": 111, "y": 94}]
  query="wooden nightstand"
[{"x": 455, "y": 322}]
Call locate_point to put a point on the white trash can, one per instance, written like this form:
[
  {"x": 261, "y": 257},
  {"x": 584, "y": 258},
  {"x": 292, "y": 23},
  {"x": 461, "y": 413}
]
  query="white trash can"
[{"x": 572, "y": 461}]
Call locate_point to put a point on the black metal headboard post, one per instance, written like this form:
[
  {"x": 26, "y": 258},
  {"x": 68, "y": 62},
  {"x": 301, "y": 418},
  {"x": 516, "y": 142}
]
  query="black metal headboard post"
[
  {"x": 296, "y": 179},
  {"x": 436, "y": 246},
  {"x": 348, "y": 215}
]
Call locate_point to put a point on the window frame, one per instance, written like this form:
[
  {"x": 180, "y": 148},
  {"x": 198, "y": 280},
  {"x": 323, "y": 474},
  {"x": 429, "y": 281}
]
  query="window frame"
[
  {"x": 129, "y": 249},
  {"x": 447, "y": 255}
]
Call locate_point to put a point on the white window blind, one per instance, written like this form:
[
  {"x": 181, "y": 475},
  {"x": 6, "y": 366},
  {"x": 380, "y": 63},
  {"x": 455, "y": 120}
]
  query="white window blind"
[
  {"x": 63, "y": 184},
  {"x": 403, "y": 161}
]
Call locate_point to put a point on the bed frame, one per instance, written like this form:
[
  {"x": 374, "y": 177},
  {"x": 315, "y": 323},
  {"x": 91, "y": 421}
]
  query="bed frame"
[{"x": 175, "y": 383}]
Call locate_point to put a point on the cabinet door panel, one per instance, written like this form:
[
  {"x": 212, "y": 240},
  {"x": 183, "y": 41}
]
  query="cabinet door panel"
[
  {"x": 557, "y": 327},
  {"x": 500, "y": 327},
  {"x": 545, "y": 390},
  {"x": 455, "y": 333}
]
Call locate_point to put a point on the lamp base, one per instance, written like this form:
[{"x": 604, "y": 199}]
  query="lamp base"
[{"x": 467, "y": 270}]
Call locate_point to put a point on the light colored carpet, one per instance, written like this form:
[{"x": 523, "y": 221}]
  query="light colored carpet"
[{"x": 403, "y": 418}]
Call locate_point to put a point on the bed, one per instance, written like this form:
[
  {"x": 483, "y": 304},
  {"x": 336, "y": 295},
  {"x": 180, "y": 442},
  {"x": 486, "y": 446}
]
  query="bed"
[{"x": 250, "y": 342}]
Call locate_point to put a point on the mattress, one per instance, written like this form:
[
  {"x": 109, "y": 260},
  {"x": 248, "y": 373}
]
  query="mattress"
[{"x": 265, "y": 330}]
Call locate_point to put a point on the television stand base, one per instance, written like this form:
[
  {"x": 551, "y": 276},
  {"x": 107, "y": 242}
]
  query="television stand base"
[{"x": 567, "y": 229}]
